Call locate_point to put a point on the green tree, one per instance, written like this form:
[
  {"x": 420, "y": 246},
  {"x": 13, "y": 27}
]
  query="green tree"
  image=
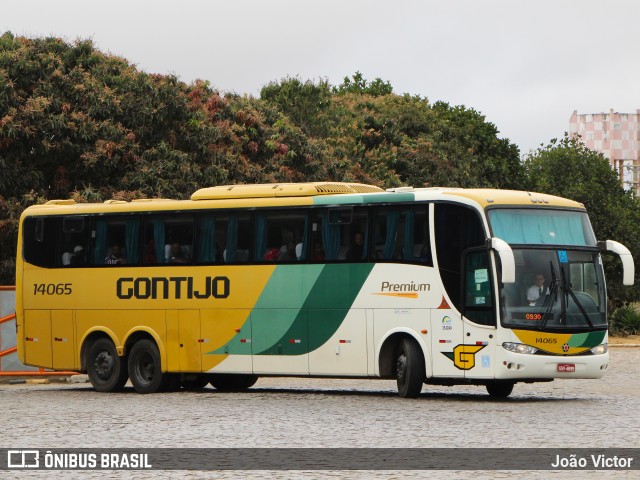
[
  {"x": 569, "y": 169},
  {"x": 305, "y": 103},
  {"x": 358, "y": 84}
]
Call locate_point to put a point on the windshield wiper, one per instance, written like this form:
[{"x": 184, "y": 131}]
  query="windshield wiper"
[
  {"x": 569, "y": 291},
  {"x": 551, "y": 298}
]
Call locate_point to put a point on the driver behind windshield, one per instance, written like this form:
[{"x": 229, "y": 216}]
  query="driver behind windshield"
[{"x": 537, "y": 290}]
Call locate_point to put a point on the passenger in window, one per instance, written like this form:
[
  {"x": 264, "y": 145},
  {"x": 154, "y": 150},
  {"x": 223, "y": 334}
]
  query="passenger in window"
[
  {"x": 288, "y": 249},
  {"x": 177, "y": 255},
  {"x": 78, "y": 257},
  {"x": 115, "y": 257},
  {"x": 66, "y": 258},
  {"x": 271, "y": 255},
  {"x": 356, "y": 251},
  {"x": 379, "y": 254}
]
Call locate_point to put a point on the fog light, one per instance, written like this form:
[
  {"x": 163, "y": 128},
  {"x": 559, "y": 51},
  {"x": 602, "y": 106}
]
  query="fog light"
[
  {"x": 519, "y": 348},
  {"x": 600, "y": 349}
]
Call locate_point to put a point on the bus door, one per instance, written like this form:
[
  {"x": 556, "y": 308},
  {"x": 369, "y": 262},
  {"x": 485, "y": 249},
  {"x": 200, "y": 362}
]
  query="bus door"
[{"x": 476, "y": 356}]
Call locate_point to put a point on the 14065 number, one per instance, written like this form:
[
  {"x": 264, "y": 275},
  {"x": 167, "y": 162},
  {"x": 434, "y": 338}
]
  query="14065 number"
[{"x": 52, "y": 288}]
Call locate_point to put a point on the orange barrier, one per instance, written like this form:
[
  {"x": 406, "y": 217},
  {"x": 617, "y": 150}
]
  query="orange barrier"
[{"x": 41, "y": 372}]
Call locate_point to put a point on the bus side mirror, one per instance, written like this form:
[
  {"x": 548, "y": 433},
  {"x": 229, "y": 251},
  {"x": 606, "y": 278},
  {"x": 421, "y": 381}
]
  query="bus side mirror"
[
  {"x": 628, "y": 267},
  {"x": 506, "y": 258}
]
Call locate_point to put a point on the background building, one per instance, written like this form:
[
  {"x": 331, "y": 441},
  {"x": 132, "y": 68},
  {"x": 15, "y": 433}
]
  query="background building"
[{"x": 616, "y": 135}]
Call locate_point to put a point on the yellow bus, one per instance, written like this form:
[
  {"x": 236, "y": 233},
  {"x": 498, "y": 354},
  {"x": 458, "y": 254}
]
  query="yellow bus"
[{"x": 440, "y": 286}]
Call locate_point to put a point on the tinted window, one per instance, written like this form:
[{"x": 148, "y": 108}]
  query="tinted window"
[
  {"x": 340, "y": 234},
  {"x": 458, "y": 228},
  {"x": 280, "y": 236},
  {"x": 223, "y": 237},
  {"x": 115, "y": 240},
  {"x": 40, "y": 240},
  {"x": 401, "y": 234},
  {"x": 168, "y": 239}
]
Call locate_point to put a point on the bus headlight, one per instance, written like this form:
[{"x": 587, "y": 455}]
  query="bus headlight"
[
  {"x": 519, "y": 348},
  {"x": 600, "y": 349}
]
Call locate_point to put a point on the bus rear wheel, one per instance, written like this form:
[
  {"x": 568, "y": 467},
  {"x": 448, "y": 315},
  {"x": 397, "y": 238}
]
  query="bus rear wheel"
[
  {"x": 500, "y": 389},
  {"x": 144, "y": 367},
  {"x": 409, "y": 368},
  {"x": 230, "y": 382},
  {"x": 106, "y": 370}
]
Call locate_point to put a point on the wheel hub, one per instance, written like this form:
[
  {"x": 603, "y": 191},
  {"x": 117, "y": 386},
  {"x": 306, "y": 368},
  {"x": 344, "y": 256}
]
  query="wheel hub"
[
  {"x": 103, "y": 365},
  {"x": 401, "y": 365}
]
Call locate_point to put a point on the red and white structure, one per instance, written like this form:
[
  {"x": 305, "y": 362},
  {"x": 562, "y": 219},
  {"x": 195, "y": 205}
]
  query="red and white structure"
[{"x": 616, "y": 136}]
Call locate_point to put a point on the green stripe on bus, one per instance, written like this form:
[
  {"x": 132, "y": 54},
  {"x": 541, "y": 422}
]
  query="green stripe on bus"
[
  {"x": 277, "y": 308},
  {"x": 590, "y": 339},
  {"x": 292, "y": 316},
  {"x": 318, "y": 321},
  {"x": 364, "y": 199}
]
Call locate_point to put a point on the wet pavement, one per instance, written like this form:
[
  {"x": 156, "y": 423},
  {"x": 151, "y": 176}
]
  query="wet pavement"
[{"x": 294, "y": 412}]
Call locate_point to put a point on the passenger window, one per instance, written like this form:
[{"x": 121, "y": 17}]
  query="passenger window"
[
  {"x": 340, "y": 234},
  {"x": 401, "y": 234},
  {"x": 115, "y": 241},
  {"x": 280, "y": 236},
  {"x": 40, "y": 241},
  {"x": 73, "y": 241},
  {"x": 223, "y": 238},
  {"x": 168, "y": 239}
]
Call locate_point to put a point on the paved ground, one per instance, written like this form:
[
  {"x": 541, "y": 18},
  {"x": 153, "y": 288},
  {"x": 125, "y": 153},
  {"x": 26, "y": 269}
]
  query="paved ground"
[{"x": 291, "y": 412}]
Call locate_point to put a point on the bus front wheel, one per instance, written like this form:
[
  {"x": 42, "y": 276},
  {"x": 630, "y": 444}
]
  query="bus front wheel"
[
  {"x": 409, "y": 367},
  {"x": 500, "y": 389},
  {"x": 106, "y": 370},
  {"x": 145, "y": 370}
]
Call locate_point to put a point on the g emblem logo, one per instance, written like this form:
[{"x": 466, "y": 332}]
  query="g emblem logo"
[{"x": 464, "y": 356}]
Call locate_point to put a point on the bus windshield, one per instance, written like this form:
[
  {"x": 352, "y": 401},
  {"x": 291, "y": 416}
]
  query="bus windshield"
[
  {"x": 555, "y": 289},
  {"x": 542, "y": 226}
]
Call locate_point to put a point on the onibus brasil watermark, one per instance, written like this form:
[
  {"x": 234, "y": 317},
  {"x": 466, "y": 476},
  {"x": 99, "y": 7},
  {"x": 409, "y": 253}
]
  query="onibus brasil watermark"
[
  {"x": 27, "y": 459},
  {"x": 319, "y": 459}
]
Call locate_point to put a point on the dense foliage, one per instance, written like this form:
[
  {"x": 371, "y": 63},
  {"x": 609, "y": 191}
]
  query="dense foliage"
[
  {"x": 75, "y": 122},
  {"x": 625, "y": 321}
]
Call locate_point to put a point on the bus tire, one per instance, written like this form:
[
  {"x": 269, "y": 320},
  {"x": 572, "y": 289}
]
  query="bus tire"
[
  {"x": 409, "y": 368},
  {"x": 145, "y": 370},
  {"x": 500, "y": 389},
  {"x": 230, "y": 382},
  {"x": 106, "y": 370}
]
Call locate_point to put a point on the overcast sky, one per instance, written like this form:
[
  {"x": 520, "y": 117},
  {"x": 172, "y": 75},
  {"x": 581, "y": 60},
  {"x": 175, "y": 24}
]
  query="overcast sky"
[{"x": 526, "y": 65}]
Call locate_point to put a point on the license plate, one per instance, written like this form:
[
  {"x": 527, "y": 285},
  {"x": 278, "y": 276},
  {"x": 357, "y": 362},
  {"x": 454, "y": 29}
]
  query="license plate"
[{"x": 566, "y": 367}]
